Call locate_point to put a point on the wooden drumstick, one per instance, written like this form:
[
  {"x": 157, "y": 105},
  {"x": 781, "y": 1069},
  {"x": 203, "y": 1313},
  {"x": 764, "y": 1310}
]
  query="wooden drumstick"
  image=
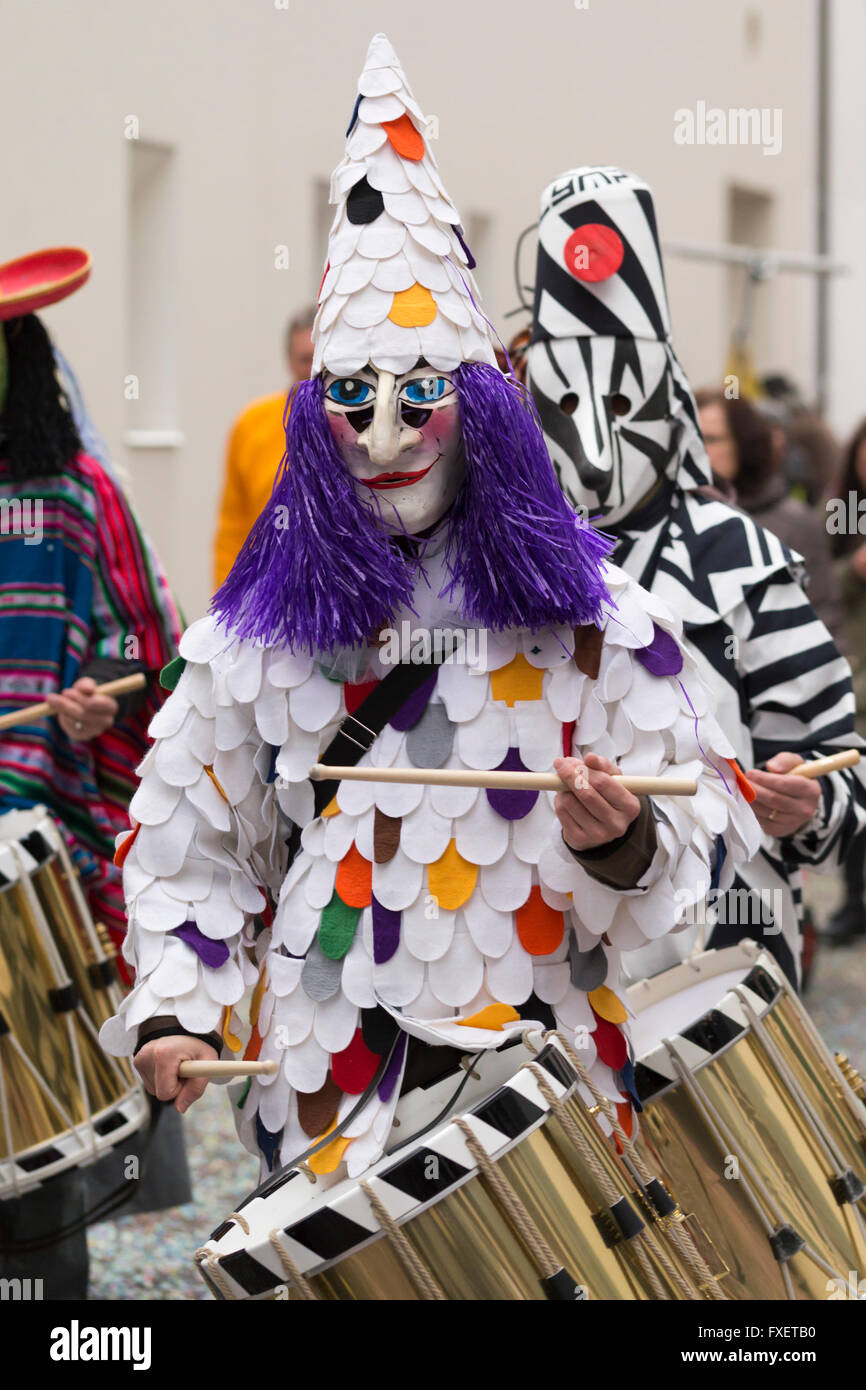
[
  {"x": 850, "y": 757},
  {"x": 217, "y": 1069},
  {"x": 122, "y": 686},
  {"x": 512, "y": 781}
]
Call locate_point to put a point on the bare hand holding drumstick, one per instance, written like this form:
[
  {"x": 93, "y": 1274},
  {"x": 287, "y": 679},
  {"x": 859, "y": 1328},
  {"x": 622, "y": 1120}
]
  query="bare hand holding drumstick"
[
  {"x": 593, "y": 814},
  {"x": 784, "y": 804},
  {"x": 157, "y": 1064},
  {"x": 82, "y": 711}
]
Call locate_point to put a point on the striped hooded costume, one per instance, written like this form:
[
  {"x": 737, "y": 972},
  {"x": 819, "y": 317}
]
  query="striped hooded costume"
[
  {"x": 621, "y": 425},
  {"x": 382, "y": 919}
]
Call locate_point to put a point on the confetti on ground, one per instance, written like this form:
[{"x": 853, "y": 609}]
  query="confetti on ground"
[{"x": 151, "y": 1257}]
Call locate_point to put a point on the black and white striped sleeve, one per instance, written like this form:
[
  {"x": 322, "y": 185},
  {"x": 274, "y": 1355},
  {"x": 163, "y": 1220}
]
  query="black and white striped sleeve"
[{"x": 797, "y": 697}]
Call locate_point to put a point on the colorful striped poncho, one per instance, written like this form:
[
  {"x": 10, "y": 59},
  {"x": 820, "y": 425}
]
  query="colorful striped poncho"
[{"x": 78, "y": 584}]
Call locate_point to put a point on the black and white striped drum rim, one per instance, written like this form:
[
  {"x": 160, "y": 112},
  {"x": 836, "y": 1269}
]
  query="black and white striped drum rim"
[
  {"x": 407, "y": 1185},
  {"x": 711, "y": 1034}
]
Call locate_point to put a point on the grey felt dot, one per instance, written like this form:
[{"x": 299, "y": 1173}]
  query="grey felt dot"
[
  {"x": 588, "y": 968},
  {"x": 320, "y": 976},
  {"x": 428, "y": 744}
]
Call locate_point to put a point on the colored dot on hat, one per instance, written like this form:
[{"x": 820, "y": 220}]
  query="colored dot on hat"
[{"x": 593, "y": 252}]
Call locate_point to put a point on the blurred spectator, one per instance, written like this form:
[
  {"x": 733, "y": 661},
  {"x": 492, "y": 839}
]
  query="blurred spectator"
[
  {"x": 850, "y": 548},
  {"x": 745, "y": 450},
  {"x": 811, "y": 457},
  {"x": 255, "y": 449}
]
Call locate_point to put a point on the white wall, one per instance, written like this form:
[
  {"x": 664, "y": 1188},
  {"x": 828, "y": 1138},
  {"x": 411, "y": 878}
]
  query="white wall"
[{"x": 255, "y": 99}]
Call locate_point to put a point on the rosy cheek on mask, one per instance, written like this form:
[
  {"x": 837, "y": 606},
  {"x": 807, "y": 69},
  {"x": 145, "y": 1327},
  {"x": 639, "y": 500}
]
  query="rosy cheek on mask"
[
  {"x": 345, "y": 436},
  {"x": 442, "y": 428}
]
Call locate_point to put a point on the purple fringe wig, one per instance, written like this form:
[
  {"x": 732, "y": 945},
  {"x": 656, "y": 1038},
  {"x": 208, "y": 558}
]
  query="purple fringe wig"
[{"x": 317, "y": 573}]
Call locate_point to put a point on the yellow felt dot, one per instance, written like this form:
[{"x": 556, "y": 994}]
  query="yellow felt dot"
[
  {"x": 452, "y": 878},
  {"x": 517, "y": 681},
  {"x": 327, "y": 1160},
  {"x": 211, "y": 774},
  {"x": 606, "y": 1005},
  {"x": 258, "y": 993},
  {"x": 413, "y": 308},
  {"x": 493, "y": 1016},
  {"x": 232, "y": 1042},
  {"x": 332, "y": 809}
]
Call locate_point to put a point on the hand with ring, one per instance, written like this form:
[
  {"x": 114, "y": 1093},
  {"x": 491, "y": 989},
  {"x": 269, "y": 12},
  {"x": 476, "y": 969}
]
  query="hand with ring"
[
  {"x": 784, "y": 804},
  {"x": 81, "y": 712}
]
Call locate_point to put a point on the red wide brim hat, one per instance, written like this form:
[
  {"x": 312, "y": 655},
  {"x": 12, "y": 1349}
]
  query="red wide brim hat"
[{"x": 42, "y": 278}]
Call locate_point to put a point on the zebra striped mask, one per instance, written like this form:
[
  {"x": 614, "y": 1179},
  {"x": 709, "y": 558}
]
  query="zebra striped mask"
[{"x": 615, "y": 406}]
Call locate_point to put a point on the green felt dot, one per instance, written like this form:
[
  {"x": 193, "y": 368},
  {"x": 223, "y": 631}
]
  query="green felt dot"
[
  {"x": 171, "y": 674},
  {"x": 337, "y": 928}
]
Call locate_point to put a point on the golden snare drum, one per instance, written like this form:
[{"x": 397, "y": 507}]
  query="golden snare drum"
[
  {"x": 751, "y": 1123},
  {"x": 508, "y": 1190},
  {"x": 63, "y": 1101}
]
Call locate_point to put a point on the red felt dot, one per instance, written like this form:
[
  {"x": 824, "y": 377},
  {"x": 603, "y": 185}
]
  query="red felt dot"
[
  {"x": 568, "y": 729},
  {"x": 609, "y": 1043},
  {"x": 354, "y": 1068},
  {"x": 354, "y": 695},
  {"x": 593, "y": 252}
]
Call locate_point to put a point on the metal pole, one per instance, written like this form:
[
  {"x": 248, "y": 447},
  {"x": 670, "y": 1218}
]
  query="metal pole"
[{"x": 822, "y": 222}]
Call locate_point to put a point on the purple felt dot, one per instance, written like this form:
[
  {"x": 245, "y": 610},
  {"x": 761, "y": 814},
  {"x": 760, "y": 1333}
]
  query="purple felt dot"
[
  {"x": 662, "y": 656},
  {"x": 386, "y": 932},
  {"x": 409, "y": 713},
  {"x": 393, "y": 1069},
  {"x": 507, "y": 803},
  {"x": 212, "y": 953}
]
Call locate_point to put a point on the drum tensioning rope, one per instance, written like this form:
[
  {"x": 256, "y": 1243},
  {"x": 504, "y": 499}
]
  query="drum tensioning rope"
[
  {"x": 556, "y": 1282},
  {"x": 664, "y": 1210}
]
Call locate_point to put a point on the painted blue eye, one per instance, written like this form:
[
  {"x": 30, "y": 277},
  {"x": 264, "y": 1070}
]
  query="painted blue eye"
[
  {"x": 425, "y": 390},
  {"x": 349, "y": 391}
]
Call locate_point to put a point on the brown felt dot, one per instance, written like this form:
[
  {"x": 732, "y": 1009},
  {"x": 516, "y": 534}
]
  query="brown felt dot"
[
  {"x": 317, "y": 1109},
  {"x": 588, "y": 642},
  {"x": 386, "y": 836}
]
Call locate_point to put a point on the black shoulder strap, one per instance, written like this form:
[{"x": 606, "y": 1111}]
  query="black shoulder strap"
[{"x": 359, "y": 731}]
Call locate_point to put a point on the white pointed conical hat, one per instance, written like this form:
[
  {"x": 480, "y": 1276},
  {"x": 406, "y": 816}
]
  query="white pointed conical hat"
[{"x": 397, "y": 284}]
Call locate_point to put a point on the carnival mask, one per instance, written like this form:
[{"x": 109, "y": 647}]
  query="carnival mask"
[
  {"x": 400, "y": 439},
  {"x": 605, "y": 406}
]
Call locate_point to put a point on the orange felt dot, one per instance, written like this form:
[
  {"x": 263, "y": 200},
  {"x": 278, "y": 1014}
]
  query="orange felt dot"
[
  {"x": 413, "y": 308},
  {"x": 605, "y": 1003},
  {"x": 539, "y": 926},
  {"x": 405, "y": 139},
  {"x": 452, "y": 878},
  {"x": 493, "y": 1016},
  {"x": 743, "y": 782},
  {"x": 625, "y": 1115},
  {"x": 253, "y": 1047},
  {"x": 327, "y": 1160},
  {"x": 517, "y": 681},
  {"x": 124, "y": 847},
  {"x": 332, "y": 809},
  {"x": 354, "y": 882}
]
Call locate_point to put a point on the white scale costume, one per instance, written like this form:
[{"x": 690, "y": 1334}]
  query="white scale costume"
[{"x": 455, "y": 910}]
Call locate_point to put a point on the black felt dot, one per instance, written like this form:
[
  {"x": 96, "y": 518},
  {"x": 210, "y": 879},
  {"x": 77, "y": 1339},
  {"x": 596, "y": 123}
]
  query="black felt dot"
[{"x": 364, "y": 203}]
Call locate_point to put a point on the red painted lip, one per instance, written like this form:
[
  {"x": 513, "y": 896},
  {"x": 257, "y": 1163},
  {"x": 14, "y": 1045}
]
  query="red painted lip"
[{"x": 390, "y": 480}]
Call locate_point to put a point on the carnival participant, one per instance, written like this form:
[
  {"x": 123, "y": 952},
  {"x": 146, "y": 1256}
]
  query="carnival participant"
[
  {"x": 255, "y": 450},
  {"x": 621, "y": 425},
  {"x": 84, "y": 602},
  {"x": 381, "y": 926}
]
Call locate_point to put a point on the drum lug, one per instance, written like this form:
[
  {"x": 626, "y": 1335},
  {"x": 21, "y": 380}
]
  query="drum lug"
[
  {"x": 847, "y": 1187},
  {"x": 785, "y": 1243}
]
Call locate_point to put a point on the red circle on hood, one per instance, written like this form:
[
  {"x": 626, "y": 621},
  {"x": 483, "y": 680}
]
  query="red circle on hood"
[{"x": 593, "y": 252}]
